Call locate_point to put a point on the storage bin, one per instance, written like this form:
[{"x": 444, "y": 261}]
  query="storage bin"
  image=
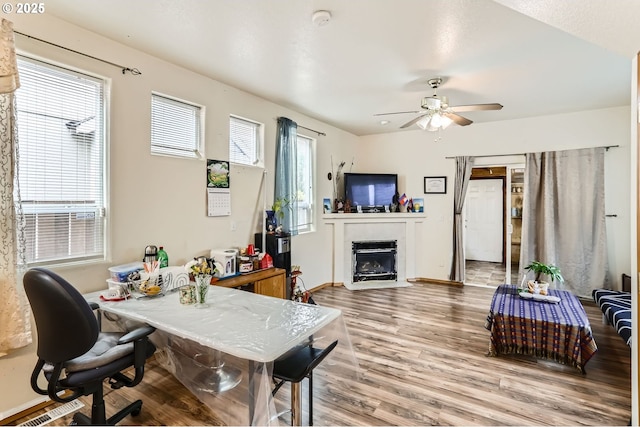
[{"x": 119, "y": 273}]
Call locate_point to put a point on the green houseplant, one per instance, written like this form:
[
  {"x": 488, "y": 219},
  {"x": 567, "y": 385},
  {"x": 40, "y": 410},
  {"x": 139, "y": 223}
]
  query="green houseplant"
[
  {"x": 551, "y": 271},
  {"x": 278, "y": 207}
]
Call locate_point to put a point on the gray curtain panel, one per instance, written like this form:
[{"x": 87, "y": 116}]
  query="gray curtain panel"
[
  {"x": 464, "y": 164},
  {"x": 286, "y": 187},
  {"x": 563, "y": 219}
]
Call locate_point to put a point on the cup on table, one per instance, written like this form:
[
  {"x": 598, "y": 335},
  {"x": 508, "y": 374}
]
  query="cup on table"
[
  {"x": 187, "y": 294},
  {"x": 251, "y": 249}
]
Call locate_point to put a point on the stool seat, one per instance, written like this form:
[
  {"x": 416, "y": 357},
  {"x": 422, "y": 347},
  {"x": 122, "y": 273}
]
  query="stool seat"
[{"x": 297, "y": 365}]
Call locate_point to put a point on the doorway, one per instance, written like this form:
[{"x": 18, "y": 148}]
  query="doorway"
[
  {"x": 484, "y": 207},
  {"x": 493, "y": 224}
]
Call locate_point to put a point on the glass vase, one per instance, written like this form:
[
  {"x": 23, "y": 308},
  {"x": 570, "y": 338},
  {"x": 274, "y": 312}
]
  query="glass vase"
[{"x": 203, "y": 281}]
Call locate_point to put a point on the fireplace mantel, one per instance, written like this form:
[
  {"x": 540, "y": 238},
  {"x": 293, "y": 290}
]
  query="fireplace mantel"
[
  {"x": 348, "y": 227},
  {"x": 374, "y": 217}
]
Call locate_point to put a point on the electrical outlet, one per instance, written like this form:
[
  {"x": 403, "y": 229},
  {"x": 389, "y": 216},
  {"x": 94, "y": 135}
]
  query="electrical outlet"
[{"x": 234, "y": 226}]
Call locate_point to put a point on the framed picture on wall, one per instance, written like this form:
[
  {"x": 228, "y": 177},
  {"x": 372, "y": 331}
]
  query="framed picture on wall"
[{"x": 435, "y": 185}]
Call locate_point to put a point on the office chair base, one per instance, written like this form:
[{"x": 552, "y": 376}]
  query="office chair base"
[{"x": 134, "y": 409}]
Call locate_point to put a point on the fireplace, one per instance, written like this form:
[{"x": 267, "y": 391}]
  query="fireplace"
[
  {"x": 348, "y": 228},
  {"x": 374, "y": 260}
]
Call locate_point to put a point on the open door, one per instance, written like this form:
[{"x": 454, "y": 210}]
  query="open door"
[
  {"x": 483, "y": 220},
  {"x": 514, "y": 235}
]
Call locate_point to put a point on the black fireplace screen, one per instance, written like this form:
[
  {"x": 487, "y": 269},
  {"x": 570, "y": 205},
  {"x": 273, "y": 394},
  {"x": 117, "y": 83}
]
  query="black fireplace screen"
[{"x": 374, "y": 260}]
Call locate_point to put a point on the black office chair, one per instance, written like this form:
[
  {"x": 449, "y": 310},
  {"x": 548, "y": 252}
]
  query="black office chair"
[
  {"x": 294, "y": 367},
  {"x": 74, "y": 355}
]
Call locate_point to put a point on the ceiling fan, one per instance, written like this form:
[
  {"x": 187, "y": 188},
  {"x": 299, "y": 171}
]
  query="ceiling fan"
[{"x": 437, "y": 114}]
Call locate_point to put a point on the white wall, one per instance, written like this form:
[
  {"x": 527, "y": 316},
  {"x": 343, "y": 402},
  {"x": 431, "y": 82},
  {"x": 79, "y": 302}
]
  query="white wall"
[
  {"x": 415, "y": 155},
  {"x": 161, "y": 200}
]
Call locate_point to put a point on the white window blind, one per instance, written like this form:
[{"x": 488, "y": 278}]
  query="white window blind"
[
  {"x": 305, "y": 169},
  {"x": 245, "y": 141},
  {"x": 61, "y": 144},
  {"x": 176, "y": 127}
]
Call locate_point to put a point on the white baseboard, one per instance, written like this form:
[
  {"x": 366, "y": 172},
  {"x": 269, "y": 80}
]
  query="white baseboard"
[{"x": 11, "y": 412}]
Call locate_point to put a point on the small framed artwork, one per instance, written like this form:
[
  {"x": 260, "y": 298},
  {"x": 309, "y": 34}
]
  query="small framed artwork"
[
  {"x": 326, "y": 205},
  {"x": 435, "y": 185}
]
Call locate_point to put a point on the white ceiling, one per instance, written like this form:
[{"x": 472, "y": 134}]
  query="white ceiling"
[{"x": 534, "y": 57}]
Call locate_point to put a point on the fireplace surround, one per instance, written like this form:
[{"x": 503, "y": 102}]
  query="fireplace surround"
[{"x": 347, "y": 228}]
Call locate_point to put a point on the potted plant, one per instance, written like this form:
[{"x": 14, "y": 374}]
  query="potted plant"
[
  {"x": 549, "y": 270},
  {"x": 278, "y": 207}
]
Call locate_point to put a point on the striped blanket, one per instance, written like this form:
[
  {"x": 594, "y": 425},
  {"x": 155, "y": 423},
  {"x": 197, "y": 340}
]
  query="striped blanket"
[
  {"x": 616, "y": 307},
  {"x": 557, "y": 331}
]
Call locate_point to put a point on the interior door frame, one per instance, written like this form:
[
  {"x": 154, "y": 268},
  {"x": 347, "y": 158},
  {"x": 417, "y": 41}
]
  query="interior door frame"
[
  {"x": 496, "y": 172},
  {"x": 509, "y": 162}
]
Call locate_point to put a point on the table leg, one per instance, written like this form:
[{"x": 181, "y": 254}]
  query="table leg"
[
  {"x": 296, "y": 404},
  {"x": 252, "y": 392}
]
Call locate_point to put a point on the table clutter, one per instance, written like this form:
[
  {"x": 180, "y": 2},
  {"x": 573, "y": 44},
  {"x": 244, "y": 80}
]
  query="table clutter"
[
  {"x": 152, "y": 277},
  {"x": 559, "y": 331}
]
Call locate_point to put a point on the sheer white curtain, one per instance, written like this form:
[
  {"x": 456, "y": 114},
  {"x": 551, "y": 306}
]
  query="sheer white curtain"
[
  {"x": 15, "y": 318},
  {"x": 563, "y": 219}
]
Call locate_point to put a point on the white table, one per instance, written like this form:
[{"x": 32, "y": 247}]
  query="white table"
[{"x": 240, "y": 324}]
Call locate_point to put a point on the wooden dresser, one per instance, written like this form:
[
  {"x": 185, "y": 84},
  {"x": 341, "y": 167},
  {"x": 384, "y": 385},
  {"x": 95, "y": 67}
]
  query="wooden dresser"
[{"x": 271, "y": 282}]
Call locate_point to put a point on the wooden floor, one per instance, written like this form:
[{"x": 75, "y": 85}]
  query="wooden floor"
[{"x": 422, "y": 356}]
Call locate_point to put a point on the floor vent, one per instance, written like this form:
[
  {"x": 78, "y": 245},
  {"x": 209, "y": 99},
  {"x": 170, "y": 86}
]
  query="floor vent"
[{"x": 54, "y": 414}]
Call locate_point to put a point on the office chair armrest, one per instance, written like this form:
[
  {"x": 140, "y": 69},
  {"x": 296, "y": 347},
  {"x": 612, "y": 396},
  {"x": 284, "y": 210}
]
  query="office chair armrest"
[
  {"x": 142, "y": 348},
  {"x": 136, "y": 334}
]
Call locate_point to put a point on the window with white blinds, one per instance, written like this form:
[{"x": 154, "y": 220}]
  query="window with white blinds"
[
  {"x": 176, "y": 127},
  {"x": 245, "y": 142},
  {"x": 61, "y": 115},
  {"x": 305, "y": 170}
]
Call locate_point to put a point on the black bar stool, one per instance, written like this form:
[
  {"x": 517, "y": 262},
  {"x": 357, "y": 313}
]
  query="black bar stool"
[{"x": 293, "y": 368}]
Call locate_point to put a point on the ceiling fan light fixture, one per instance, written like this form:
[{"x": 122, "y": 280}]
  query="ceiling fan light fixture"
[
  {"x": 423, "y": 123},
  {"x": 431, "y": 103},
  {"x": 436, "y": 120}
]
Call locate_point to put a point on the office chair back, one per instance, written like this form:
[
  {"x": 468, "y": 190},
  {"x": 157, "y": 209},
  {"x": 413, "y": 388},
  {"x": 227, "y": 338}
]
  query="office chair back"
[
  {"x": 74, "y": 356},
  {"x": 57, "y": 306}
]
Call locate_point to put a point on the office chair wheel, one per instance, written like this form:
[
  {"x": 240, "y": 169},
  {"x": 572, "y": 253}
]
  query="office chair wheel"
[{"x": 137, "y": 410}]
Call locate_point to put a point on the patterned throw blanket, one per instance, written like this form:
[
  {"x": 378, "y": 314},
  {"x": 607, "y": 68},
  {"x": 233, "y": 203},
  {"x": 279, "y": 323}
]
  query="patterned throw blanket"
[
  {"x": 557, "y": 331},
  {"x": 616, "y": 307}
]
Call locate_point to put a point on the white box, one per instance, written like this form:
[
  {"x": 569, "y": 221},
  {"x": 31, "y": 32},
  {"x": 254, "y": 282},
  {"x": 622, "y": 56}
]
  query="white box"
[{"x": 226, "y": 257}]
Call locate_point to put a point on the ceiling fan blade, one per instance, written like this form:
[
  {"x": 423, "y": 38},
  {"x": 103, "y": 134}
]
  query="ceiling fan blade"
[
  {"x": 398, "y": 112},
  {"x": 459, "y": 120},
  {"x": 476, "y": 107},
  {"x": 412, "y": 122}
]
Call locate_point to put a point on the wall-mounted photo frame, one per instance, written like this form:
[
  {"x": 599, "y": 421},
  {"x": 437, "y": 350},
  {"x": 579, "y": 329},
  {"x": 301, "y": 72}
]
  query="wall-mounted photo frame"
[{"x": 435, "y": 185}]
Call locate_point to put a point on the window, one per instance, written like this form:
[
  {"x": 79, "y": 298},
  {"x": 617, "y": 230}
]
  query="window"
[
  {"x": 176, "y": 127},
  {"x": 305, "y": 197},
  {"x": 61, "y": 116},
  {"x": 245, "y": 142}
]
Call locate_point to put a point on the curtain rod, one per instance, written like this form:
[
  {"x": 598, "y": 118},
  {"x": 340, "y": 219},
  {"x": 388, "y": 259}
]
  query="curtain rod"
[
  {"x": 309, "y": 129},
  {"x": 312, "y": 130},
  {"x": 133, "y": 71},
  {"x": 606, "y": 147}
]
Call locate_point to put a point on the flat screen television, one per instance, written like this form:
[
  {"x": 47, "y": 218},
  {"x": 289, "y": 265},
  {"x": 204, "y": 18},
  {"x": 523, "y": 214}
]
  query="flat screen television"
[{"x": 372, "y": 191}]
